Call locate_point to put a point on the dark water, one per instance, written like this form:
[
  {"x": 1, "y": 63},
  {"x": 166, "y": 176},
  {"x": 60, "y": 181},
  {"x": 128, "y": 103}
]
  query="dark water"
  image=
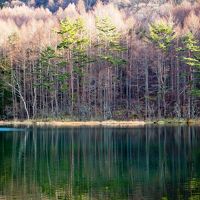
[{"x": 158, "y": 163}]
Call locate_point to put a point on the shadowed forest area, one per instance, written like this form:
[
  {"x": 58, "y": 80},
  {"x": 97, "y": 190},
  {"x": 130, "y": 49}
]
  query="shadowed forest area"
[{"x": 99, "y": 60}]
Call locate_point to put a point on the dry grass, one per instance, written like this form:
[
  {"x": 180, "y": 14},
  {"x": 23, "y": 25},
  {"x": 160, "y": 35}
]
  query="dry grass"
[
  {"x": 194, "y": 121},
  {"x": 110, "y": 123}
]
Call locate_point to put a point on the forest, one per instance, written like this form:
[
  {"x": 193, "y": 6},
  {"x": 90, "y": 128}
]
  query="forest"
[{"x": 105, "y": 62}]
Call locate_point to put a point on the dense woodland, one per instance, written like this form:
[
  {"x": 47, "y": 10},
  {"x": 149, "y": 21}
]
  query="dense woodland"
[{"x": 107, "y": 62}]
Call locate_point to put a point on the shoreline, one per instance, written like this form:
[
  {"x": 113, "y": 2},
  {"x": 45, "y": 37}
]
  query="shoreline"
[
  {"x": 106, "y": 123},
  {"x": 60, "y": 123}
]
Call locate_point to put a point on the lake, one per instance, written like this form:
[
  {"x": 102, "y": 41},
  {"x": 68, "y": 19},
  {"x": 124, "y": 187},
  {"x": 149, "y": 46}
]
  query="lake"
[{"x": 150, "y": 162}]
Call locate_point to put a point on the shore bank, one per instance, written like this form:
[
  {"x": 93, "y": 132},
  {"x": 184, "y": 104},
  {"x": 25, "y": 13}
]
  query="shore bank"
[
  {"x": 107, "y": 123},
  {"x": 55, "y": 123}
]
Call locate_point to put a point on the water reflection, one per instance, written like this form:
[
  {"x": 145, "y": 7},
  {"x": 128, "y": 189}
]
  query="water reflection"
[{"x": 101, "y": 163}]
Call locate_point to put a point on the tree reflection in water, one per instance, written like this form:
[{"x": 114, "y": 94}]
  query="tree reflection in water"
[{"x": 101, "y": 163}]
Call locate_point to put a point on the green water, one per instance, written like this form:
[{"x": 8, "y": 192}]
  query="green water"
[{"x": 158, "y": 163}]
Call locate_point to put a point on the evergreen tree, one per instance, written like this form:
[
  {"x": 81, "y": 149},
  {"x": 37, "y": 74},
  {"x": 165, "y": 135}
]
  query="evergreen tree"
[
  {"x": 161, "y": 34},
  {"x": 110, "y": 53},
  {"x": 5, "y": 91},
  {"x": 74, "y": 43},
  {"x": 192, "y": 59},
  {"x": 109, "y": 42}
]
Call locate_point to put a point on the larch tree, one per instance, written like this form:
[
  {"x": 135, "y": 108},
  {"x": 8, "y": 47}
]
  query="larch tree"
[{"x": 15, "y": 83}]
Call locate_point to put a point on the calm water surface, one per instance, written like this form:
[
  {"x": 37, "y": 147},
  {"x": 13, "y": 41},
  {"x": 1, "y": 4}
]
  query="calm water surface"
[{"x": 158, "y": 163}]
